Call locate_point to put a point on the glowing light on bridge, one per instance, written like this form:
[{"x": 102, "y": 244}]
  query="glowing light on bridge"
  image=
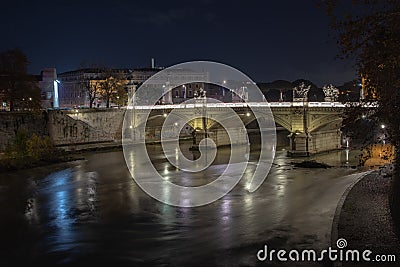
[{"x": 240, "y": 104}]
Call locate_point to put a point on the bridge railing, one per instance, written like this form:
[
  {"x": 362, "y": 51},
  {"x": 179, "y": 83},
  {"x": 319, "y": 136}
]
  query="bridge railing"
[{"x": 241, "y": 104}]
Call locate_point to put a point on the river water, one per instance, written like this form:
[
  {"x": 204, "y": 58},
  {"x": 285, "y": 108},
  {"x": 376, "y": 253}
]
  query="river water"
[{"x": 91, "y": 213}]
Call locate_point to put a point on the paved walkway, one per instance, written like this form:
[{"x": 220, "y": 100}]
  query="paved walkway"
[{"x": 364, "y": 220}]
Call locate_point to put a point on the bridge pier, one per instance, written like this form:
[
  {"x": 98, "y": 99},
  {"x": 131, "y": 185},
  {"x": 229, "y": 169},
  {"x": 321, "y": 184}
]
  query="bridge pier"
[
  {"x": 220, "y": 137},
  {"x": 300, "y": 145},
  {"x": 303, "y": 145}
]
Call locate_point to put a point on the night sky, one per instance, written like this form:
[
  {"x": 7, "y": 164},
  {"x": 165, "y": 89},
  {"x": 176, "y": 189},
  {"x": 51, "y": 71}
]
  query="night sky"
[{"x": 267, "y": 40}]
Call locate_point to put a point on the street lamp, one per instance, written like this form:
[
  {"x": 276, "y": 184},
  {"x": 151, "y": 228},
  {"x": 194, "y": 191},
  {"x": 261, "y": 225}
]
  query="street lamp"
[{"x": 201, "y": 95}]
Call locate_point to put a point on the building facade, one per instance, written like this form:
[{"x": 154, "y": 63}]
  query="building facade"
[
  {"x": 73, "y": 92},
  {"x": 48, "y": 84}
]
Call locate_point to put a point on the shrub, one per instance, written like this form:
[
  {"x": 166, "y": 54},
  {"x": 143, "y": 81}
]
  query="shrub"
[{"x": 25, "y": 151}]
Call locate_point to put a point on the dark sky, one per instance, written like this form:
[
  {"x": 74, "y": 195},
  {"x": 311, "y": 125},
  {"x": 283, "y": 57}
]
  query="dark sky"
[{"x": 267, "y": 40}]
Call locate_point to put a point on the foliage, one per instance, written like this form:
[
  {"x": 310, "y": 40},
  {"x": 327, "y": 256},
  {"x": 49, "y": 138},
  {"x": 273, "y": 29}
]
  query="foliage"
[
  {"x": 18, "y": 88},
  {"x": 40, "y": 147},
  {"x": 26, "y": 150},
  {"x": 92, "y": 89},
  {"x": 90, "y": 80},
  {"x": 373, "y": 39},
  {"x": 370, "y": 34},
  {"x": 112, "y": 85},
  {"x": 120, "y": 97},
  {"x": 18, "y": 148}
]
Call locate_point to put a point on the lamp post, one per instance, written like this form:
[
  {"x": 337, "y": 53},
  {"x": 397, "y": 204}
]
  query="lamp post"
[
  {"x": 302, "y": 91},
  {"x": 204, "y": 102},
  {"x": 201, "y": 95},
  {"x": 305, "y": 124}
]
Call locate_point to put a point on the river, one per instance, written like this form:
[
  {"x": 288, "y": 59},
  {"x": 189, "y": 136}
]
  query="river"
[{"x": 91, "y": 213}]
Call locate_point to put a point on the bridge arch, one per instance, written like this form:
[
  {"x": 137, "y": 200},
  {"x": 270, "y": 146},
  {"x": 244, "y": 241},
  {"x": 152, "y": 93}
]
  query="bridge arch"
[
  {"x": 322, "y": 121},
  {"x": 283, "y": 122}
]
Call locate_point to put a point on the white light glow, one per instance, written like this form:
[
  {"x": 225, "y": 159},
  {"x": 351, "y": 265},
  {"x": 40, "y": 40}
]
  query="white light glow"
[{"x": 56, "y": 82}]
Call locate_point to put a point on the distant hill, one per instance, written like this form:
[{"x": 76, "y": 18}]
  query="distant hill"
[
  {"x": 272, "y": 90},
  {"x": 349, "y": 91}
]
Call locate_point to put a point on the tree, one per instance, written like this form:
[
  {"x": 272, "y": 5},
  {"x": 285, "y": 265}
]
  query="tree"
[
  {"x": 18, "y": 88},
  {"x": 370, "y": 34},
  {"x": 276, "y": 90},
  {"x": 112, "y": 83},
  {"x": 90, "y": 80},
  {"x": 92, "y": 88},
  {"x": 120, "y": 97}
]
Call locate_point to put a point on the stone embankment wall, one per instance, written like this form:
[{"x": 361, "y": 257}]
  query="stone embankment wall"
[
  {"x": 11, "y": 122},
  {"x": 85, "y": 126},
  {"x": 67, "y": 128}
]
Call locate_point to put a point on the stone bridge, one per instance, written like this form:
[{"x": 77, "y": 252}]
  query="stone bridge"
[{"x": 313, "y": 126}]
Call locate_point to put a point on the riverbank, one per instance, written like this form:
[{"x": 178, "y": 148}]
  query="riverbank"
[
  {"x": 21, "y": 164},
  {"x": 60, "y": 154},
  {"x": 365, "y": 222}
]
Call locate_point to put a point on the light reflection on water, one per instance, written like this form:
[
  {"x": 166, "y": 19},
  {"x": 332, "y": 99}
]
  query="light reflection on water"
[
  {"x": 95, "y": 202},
  {"x": 58, "y": 207}
]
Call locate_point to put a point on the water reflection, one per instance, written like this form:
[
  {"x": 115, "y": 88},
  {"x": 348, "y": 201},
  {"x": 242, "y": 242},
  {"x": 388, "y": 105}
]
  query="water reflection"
[
  {"x": 92, "y": 211},
  {"x": 59, "y": 206}
]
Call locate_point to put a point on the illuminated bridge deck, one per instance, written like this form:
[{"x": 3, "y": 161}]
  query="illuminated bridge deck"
[{"x": 240, "y": 104}]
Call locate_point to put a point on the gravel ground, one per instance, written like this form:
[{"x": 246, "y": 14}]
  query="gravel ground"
[{"x": 365, "y": 221}]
